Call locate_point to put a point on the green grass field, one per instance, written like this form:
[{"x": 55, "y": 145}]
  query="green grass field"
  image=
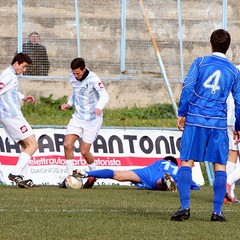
[
  {"x": 109, "y": 212},
  {"x": 46, "y": 111}
]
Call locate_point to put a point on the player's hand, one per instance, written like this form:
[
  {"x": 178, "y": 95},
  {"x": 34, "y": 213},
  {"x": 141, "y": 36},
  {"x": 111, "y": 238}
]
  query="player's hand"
[
  {"x": 65, "y": 106},
  {"x": 236, "y": 136},
  {"x": 181, "y": 123},
  {"x": 30, "y": 99},
  {"x": 97, "y": 111}
]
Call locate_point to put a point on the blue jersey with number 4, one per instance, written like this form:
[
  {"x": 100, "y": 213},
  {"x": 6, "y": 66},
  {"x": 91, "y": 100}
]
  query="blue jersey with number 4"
[{"x": 205, "y": 91}]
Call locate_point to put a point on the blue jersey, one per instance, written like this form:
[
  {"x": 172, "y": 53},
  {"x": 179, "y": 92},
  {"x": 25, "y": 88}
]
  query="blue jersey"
[
  {"x": 151, "y": 174},
  {"x": 205, "y": 91}
]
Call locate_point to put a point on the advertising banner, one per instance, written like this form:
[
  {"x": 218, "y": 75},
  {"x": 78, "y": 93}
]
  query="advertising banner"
[{"x": 114, "y": 148}]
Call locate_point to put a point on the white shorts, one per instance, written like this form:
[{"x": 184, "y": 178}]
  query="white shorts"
[
  {"x": 17, "y": 128},
  {"x": 87, "y": 130},
  {"x": 232, "y": 145}
]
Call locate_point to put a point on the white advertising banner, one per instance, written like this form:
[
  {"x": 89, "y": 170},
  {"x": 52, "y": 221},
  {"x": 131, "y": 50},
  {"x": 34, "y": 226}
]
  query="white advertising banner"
[{"x": 114, "y": 148}]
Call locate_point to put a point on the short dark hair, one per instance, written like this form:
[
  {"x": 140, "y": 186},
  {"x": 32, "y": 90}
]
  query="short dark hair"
[
  {"x": 78, "y": 63},
  {"x": 220, "y": 41},
  {"x": 21, "y": 58}
]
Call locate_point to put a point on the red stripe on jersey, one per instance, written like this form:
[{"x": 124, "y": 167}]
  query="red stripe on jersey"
[
  {"x": 1, "y": 85},
  {"x": 100, "y": 85}
]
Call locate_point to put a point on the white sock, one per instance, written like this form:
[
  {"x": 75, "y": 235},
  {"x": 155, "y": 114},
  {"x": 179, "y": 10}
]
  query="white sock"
[
  {"x": 234, "y": 176},
  {"x": 232, "y": 194},
  {"x": 69, "y": 166},
  {"x": 230, "y": 167},
  {"x": 25, "y": 171},
  {"x": 92, "y": 166},
  {"x": 22, "y": 164}
]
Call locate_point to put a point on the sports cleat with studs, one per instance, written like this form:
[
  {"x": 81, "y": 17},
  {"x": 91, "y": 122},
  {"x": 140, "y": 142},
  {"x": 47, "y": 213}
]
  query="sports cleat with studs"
[
  {"x": 79, "y": 174},
  {"x": 26, "y": 183},
  {"x": 226, "y": 201},
  {"x": 181, "y": 214},
  {"x": 90, "y": 182},
  {"x": 62, "y": 184},
  {"x": 15, "y": 178},
  {"x": 171, "y": 185},
  {"x": 235, "y": 200},
  {"x": 227, "y": 198},
  {"x": 218, "y": 217}
]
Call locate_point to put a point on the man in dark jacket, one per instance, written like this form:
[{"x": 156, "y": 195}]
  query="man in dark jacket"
[{"x": 38, "y": 54}]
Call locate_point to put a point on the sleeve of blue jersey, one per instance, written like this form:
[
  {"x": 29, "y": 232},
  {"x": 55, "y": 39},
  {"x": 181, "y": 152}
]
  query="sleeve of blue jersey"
[
  {"x": 236, "y": 96},
  {"x": 188, "y": 89}
]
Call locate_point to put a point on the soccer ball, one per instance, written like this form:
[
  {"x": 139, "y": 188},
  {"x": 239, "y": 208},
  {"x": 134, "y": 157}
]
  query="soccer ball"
[{"x": 73, "y": 183}]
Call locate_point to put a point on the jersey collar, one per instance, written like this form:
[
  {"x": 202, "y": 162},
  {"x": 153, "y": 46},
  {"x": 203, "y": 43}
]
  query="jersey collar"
[
  {"x": 12, "y": 69},
  {"x": 219, "y": 54}
]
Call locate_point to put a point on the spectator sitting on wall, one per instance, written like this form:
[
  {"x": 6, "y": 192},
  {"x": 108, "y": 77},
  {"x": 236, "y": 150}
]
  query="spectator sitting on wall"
[{"x": 38, "y": 54}]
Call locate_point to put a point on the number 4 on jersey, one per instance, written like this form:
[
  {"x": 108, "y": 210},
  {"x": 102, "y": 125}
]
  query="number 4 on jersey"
[{"x": 212, "y": 81}]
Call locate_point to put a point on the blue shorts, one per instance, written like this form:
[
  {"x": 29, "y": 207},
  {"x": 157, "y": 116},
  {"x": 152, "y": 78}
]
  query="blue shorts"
[
  {"x": 149, "y": 177},
  {"x": 151, "y": 174},
  {"x": 204, "y": 144}
]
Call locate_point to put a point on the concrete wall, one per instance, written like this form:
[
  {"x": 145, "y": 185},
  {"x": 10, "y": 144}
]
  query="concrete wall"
[
  {"x": 100, "y": 43},
  {"x": 123, "y": 93}
]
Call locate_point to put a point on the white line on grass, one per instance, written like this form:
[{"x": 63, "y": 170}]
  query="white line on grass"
[{"x": 108, "y": 210}]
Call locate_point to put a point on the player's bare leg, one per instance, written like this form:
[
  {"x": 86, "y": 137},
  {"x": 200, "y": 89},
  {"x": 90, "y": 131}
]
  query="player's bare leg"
[
  {"x": 123, "y": 176},
  {"x": 68, "y": 144},
  {"x": 29, "y": 145},
  {"x": 85, "y": 151}
]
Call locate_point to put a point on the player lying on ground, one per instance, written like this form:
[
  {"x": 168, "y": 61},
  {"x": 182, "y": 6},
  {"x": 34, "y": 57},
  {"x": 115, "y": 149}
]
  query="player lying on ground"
[{"x": 161, "y": 175}]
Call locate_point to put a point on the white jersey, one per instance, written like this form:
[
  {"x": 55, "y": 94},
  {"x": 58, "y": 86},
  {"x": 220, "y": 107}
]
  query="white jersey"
[
  {"x": 231, "y": 109},
  {"x": 9, "y": 95},
  {"x": 87, "y": 95}
]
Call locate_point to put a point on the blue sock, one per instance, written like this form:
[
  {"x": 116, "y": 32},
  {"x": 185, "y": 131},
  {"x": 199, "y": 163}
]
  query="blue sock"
[
  {"x": 184, "y": 185},
  {"x": 219, "y": 189},
  {"x": 104, "y": 173}
]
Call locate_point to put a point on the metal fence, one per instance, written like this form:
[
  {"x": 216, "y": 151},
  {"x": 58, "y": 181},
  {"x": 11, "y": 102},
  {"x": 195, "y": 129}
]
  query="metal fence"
[{"x": 119, "y": 39}]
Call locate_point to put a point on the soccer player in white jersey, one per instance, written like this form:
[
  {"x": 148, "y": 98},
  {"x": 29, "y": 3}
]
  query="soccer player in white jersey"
[
  {"x": 202, "y": 117},
  {"x": 89, "y": 97},
  {"x": 14, "y": 124},
  {"x": 233, "y": 167}
]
